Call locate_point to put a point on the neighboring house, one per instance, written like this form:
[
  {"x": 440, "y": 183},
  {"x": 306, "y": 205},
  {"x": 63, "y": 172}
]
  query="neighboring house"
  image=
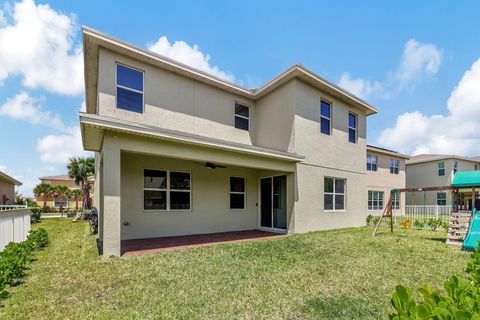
[
  {"x": 385, "y": 171},
  {"x": 179, "y": 151},
  {"x": 435, "y": 170},
  {"x": 56, "y": 202},
  {"x": 7, "y": 189}
]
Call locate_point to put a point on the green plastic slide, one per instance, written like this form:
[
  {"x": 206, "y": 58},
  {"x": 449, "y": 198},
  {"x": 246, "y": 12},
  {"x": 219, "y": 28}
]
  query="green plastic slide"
[{"x": 473, "y": 235}]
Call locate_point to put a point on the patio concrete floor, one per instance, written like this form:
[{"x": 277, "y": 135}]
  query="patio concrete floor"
[{"x": 138, "y": 246}]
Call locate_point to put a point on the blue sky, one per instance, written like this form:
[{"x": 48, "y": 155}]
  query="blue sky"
[{"x": 413, "y": 60}]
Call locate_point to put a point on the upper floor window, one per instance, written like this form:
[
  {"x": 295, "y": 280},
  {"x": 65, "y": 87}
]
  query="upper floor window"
[
  {"x": 394, "y": 164},
  {"x": 325, "y": 117},
  {"x": 352, "y": 128},
  {"x": 334, "y": 194},
  {"x": 441, "y": 168},
  {"x": 129, "y": 89},
  {"x": 371, "y": 162},
  {"x": 455, "y": 167},
  {"x": 476, "y": 167},
  {"x": 242, "y": 117}
]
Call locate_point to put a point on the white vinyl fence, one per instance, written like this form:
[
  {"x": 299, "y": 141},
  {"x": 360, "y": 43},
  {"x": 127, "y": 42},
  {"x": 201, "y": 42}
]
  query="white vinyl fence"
[
  {"x": 423, "y": 214},
  {"x": 14, "y": 226}
]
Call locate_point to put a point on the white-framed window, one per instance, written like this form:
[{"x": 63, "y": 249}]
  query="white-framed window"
[
  {"x": 441, "y": 198},
  {"x": 455, "y": 167},
  {"x": 396, "y": 201},
  {"x": 375, "y": 200},
  {"x": 394, "y": 164},
  {"x": 325, "y": 117},
  {"x": 352, "y": 127},
  {"x": 166, "y": 190},
  {"x": 334, "y": 194},
  {"x": 129, "y": 85},
  {"x": 242, "y": 116},
  {"x": 372, "y": 162},
  {"x": 441, "y": 168},
  {"x": 238, "y": 193}
]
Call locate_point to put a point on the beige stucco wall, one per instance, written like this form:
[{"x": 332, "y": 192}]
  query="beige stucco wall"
[
  {"x": 309, "y": 213},
  {"x": 7, "y": 192},
  {"x": 173, "y": 102},
  {"x": 274, "y": 119},
  {"x": 330, "y": 151},
  {"x": 384, "y": 181}
]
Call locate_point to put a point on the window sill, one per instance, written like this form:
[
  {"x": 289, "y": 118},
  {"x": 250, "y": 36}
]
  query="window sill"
[{"x": 333, "y": 211}]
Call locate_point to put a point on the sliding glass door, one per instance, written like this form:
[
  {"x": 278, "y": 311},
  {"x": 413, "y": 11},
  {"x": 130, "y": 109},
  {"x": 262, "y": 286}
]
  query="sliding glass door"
[{"x": 273, "y": 202}]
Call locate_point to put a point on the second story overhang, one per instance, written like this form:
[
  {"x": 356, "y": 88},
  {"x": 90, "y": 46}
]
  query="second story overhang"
[
  {"x": 93, "y": 40},
  {"x": 94, "y": 126}
]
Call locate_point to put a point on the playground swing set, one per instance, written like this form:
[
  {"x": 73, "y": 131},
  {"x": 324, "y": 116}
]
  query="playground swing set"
[
  {"x": 464, "y": 222},
  {"x": 395, "y": 193}
]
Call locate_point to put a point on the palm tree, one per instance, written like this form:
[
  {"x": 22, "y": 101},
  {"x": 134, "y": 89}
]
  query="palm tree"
[
  {"x": 76, "y": 195},
  {"x": 79, "y": 169},
  {"x": 43, "y": 191},
  {"x": 62, "y": 193}
]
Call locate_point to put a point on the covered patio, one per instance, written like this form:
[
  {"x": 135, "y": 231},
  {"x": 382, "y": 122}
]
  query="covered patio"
[{"x": 151, "y": 245}]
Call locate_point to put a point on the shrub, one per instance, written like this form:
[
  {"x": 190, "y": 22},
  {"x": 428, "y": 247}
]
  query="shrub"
[
  {"x": 36, "y": 214},
  {"x": 369, "y": 219},
  {"x": 418, "y": 224},
  {"x": 38, "y": 239},
  {"x": 13, "y": 261},
  {"x": 16, "y": 256},
  {"x": 375, "y": 220},
  {"x": 460, "y": 298},
  {"x": 434, "y": 223}
]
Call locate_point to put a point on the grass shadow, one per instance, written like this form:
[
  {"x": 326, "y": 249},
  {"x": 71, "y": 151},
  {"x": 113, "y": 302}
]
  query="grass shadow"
[{"x": 340, "y": 307}]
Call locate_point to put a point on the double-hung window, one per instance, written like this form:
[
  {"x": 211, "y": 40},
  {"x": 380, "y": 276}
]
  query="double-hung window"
[
  {"x": 325, "y": 117},
  {"x": 396, "y": 201},
  {"x": 238, "y": 194},
  {"x": 129, "y": 89},
  {"x": 352, "y": 127},
  {"x": 371, "y": 162},
  {"x": 60, "y": 202},
  {"x": 166, "y": 190},
  {"x": 242, "y": 116},
  {"x": 334, "y": 194},
  {"x": 441, "y": 168},
  {"x": 394, "y": 164},
  {"x": 441, "y": 198},
  {"x": 375, "y": 200}
]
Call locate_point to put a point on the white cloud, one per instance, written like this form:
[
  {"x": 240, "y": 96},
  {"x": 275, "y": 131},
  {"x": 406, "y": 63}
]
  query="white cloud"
[
  {"x": 3, "y": 20},
  {"x": 26, "y": 108},
  {"x": 359, "y": 87},
  {"x": 83, "y": 107},
  {"x": 418, "y": 60},
  {"x": 454, "y": 133},
  {"x": 59, "y": 148},
  {"x": 192, "y": 56},
  {"x": 39, "y": 45}
]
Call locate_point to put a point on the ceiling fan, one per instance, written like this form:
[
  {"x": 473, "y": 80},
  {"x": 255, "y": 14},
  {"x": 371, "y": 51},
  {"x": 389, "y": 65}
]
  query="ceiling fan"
[{"x": 211, "y": 165}]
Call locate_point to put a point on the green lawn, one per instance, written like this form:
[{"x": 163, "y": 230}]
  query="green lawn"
[{"x": 344, "y": 274}]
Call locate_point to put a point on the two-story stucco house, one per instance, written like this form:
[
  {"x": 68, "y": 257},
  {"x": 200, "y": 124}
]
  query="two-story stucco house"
[
  {"x": 436, "y": 170},
  {"x": 385, "y": 171},
  {"x": 180, "y": 152}
]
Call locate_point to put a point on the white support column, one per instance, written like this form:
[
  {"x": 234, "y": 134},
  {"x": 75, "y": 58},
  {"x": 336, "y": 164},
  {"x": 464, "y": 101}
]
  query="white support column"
[{"x": 111, "y": 197}]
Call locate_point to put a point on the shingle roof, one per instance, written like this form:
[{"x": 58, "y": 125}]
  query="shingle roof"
[
  {"x": 62, "y": 177},
  {"x": 436, "y": 157}
]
